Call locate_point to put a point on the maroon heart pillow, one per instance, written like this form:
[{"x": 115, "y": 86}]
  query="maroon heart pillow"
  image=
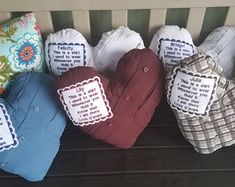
[{"x": 114, "y": 110}]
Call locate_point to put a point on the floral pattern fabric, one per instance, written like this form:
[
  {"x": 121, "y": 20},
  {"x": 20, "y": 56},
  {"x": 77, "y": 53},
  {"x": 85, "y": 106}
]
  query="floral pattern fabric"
[
  {"x": 21, "y": 48},
  {"x": 26, "y": 53}
]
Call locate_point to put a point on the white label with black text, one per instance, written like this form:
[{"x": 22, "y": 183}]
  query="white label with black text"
[
  {"x": 173, "y": 51},
  {"x": 191, "y": 93},
  {"x": 86, "y": 102},
  {"x": 65, "y": 56},
  {"x": 7, "y": 131}
]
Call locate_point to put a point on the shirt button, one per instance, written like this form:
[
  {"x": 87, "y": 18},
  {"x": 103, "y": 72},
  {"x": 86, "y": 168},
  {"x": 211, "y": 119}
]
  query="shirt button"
[
  {"x": 3, "y": 164},
  {"x": 36, "y": 109},
  {"x": 110, "y": 124},
  {"x": 127, "y": 98},
  {"x": 21, "y": 139},
  {"x": 146, "y": 69}
]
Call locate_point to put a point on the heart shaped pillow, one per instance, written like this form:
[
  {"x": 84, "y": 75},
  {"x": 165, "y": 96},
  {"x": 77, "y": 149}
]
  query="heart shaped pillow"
[
  {"x": 114, "y": 110},
  {"x": 172, "y": 43},
  {"x": 203, "y": 101},
  {"x": 67, "y": 49}
]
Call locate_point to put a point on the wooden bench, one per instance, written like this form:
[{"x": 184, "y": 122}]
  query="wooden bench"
[{"x": 161, "y": 156}]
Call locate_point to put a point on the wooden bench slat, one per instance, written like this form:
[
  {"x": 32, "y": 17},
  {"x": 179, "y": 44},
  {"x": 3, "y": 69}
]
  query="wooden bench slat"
[
  {"x": 44, "y": 21},
  {"x": 230, "y": 18},
  {"x": 119, "y": 18},
  {"x": 156, "y": 20},
  {"x": 142, "y": 160},
  {"x": 81, "y": 21},
  {"x": 57, "y": 5},
  {"x": 4, "y": 16},
  {"x": 152, "y": 136},
  {"x": 148, "y": 179},
  {"x": 195, "y": 21}
]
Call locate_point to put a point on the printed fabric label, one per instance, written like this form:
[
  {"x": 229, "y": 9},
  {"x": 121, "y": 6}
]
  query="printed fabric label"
[
  {"x": 192, "y": 93},
  {"x": 8, "y": 138},
  {"x": 85, "y": 102},
  {"x": 171, "y": 51},
  {"x": 63, "y": 56}
]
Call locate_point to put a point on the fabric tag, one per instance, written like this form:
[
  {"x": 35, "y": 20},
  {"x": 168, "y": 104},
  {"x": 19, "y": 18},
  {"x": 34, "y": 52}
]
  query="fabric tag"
[
  {"x": 171, "y": 51},
  {"x": 8, "y": 138},
  {"x": 64, "y": 56},
  {"x": 85, "y": 102},
  {"x": 192, "y": 93}
]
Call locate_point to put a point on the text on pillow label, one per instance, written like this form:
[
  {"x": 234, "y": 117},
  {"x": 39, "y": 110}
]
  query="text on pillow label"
[
  {"x": 86, "y": 102},
  {"x": 192, "y": 93},
  {"x": 63, "y": 56},
  {"x": 171, "y": 51},
  {"x": 8, "y": 137}
]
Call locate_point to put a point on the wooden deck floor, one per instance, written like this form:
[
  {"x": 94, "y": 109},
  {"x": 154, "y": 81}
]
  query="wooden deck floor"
[{"x": 160, "y": 158}]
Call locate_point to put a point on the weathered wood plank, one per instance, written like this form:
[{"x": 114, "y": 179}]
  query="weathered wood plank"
[
  {"x": 156, "y": 20},
  {"x": 44, "y": 21},
  {"x": 151, "y": 179},
  {"x": 157, "y": 160},
  {"x": 119, "y": 18},
  {"x": 81, "y": 22},
  {"x": 195, "y": 21},
  {"x": 4, "y": 16},
  {"x": 53, "y": 5},
  {"x": 152, "y": 136},
  {"x": 230, "y": 21}
]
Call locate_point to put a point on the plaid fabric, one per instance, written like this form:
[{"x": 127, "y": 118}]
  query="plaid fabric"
[{"x": 217, "y": 129}]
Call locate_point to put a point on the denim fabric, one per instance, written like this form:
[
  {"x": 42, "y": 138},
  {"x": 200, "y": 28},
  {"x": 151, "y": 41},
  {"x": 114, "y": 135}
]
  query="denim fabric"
[
  {"x": 220, "y": 46},
  {"x": 38, "y": 123}
]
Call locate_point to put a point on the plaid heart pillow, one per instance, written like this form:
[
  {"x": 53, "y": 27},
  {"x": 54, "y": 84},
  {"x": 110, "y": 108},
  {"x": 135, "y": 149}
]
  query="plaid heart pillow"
[{"x": 203, "y": 101}]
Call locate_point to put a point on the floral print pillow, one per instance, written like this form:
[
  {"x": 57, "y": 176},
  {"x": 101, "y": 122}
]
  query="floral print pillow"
[{"x": 21, "y": 48}]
